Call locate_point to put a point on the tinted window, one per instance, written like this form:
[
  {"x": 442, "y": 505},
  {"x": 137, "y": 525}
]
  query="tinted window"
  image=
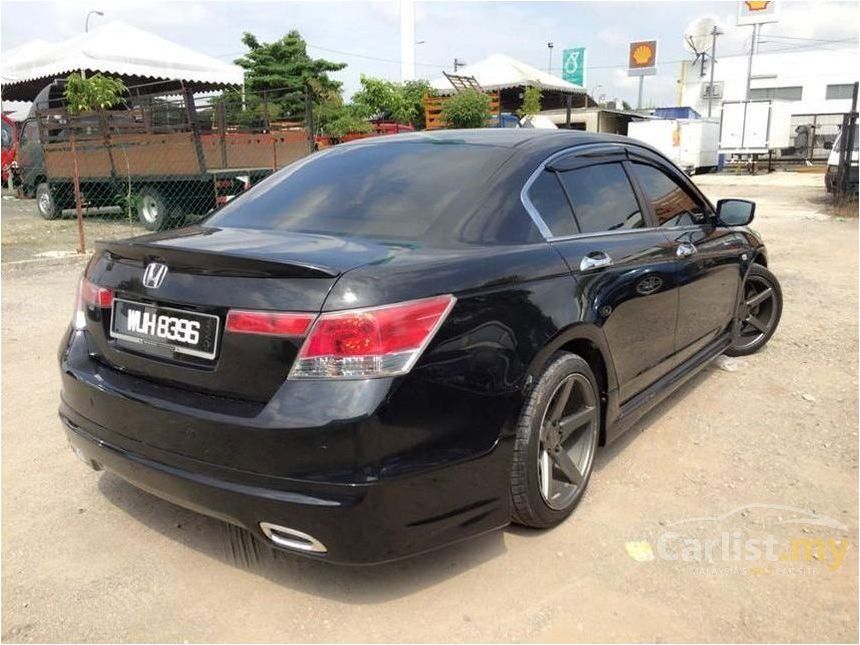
[
  {"x": 602, "y": 198},
  {"x": 547, "y": 196},
  {"x": 394, "y": 190},
  {"x": 672, "y": 205}
]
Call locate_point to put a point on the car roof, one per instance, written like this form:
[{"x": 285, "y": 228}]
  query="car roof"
[{"x": 525, "y": 140}]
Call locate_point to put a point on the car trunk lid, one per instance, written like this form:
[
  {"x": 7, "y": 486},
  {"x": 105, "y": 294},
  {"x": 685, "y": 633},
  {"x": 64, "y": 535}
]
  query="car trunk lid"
[{"x": 209, "y": 272}]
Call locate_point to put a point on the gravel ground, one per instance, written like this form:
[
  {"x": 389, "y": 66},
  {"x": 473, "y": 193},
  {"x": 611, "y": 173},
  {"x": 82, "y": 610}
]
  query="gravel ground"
[{"x": 744, "y": 451}]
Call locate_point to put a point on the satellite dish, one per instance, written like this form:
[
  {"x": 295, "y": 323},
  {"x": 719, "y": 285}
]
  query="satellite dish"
[{"x": 697, "y": 35}]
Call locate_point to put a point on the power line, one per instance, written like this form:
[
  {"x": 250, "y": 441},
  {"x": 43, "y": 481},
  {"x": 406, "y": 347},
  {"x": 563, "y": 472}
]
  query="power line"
[
  {"x": 818, "y": 43},
  {"x": 818, "y": 40}
]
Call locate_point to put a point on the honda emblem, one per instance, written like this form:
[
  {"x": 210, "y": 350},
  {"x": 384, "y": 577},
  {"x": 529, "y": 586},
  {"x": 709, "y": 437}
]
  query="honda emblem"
[{"x": 154, "y": 275}]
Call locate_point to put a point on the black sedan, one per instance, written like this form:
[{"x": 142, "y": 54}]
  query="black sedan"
[{"x": 405, "y": 341}]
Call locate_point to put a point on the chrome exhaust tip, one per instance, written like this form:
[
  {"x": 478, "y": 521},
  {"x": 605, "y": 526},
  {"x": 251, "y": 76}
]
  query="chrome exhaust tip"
[{"x": 287, "y": 538}]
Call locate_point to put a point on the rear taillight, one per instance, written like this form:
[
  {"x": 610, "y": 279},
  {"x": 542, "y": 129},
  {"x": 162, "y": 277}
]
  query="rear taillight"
[
  {"x": 90, "y": 295},
  {"x": 368, "y": 343},
  {"x": 269, "y": 323},
  {"x": 95, "y": 295}
]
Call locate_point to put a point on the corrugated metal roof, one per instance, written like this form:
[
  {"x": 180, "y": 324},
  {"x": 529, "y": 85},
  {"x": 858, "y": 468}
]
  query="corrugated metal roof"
[{"x": 498, "y": 72}]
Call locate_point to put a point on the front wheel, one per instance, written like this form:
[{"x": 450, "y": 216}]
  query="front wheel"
[
  {"x": 758, "y": 312},
  {"x": 557, "y": 436}
]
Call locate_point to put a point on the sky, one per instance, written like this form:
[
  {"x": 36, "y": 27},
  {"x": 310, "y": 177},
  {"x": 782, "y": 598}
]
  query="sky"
[{"x": 366, "y": 35}]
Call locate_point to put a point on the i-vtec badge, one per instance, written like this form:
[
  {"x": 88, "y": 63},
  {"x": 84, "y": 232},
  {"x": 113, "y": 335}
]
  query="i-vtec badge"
[{"x": 154, "y": 275}]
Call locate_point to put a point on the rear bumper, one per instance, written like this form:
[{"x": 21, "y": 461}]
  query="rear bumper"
[
  {"x": 357, "y": 524},
  {"x": 371, "y": 488}
]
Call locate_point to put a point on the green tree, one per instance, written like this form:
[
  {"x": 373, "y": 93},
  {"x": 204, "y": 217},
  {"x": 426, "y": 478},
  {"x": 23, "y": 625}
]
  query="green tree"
[
  {"x": 333, "y": 119},
  {"x": 531, "y": 102},
  {"x": 282, "y": 70},
  {"x": 97, "y": 92},
  {"x": 466, "y": 109},
  {"x": 402, "y": 102}
]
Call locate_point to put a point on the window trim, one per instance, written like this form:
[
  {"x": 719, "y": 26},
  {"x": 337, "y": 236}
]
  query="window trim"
[
  {"x": 633, "y": 152},
  {"x": 703, "y": 203},
  {"x": 583, "y": 150},
  {"x": 573, "y": 219}
]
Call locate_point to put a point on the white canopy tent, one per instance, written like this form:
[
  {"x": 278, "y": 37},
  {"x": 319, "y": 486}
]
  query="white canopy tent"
[
  {"x": 498, "y": 72},
  {"x": 116, "y": 49}
]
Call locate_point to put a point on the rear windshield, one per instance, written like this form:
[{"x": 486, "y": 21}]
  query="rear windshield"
[{"x": 396, "y": 190}]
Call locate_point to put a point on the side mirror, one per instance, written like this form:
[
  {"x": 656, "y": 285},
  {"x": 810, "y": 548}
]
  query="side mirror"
[{"x": 735, "y": 212}]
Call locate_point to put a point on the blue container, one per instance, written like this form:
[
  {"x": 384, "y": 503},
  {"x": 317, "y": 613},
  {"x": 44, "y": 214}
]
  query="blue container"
[{"x": 676, "y": 113}]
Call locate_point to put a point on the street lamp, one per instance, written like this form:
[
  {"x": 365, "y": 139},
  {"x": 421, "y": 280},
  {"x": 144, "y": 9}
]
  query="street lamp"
[
  {"x": 87, "y": 21},
  {"x": 549, "y": 64}
]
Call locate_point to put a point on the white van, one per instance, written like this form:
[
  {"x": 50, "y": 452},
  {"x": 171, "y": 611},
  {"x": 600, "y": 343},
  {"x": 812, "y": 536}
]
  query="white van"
[{"x": 833, "y": 163}]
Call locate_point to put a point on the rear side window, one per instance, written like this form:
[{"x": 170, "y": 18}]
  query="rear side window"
[
  {"x": 602, "y": 198},
  {"x": 672, "y": 205},
  {"x": 547, "y": 196},
  {"x": 380, "y": 190}
]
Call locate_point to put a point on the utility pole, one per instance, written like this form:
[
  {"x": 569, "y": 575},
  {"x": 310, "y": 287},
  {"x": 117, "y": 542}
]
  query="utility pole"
[
  {"x": 753, "y": 43},
  {"x": 458, "y": 63},
  {"x": 549, "y": 63},
  {"x": 407, "y": 40},
  {"x": 714, "y": 33}
]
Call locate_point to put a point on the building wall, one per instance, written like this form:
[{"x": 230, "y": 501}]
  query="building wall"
[{"x": 813, "y": 70}]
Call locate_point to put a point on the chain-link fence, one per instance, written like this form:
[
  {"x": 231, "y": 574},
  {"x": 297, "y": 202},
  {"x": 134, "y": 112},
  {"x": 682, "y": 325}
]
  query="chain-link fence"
[
  {"x": 161, "y": 159},
  {"x": 813, "y": 136}
]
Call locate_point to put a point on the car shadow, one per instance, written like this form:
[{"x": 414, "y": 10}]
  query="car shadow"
[{"x": 236, "y": 547}]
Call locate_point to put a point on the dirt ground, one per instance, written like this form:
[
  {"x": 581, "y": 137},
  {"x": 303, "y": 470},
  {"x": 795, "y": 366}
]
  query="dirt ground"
[
  {"x": 761, "y": 448},
  {"x": 26, "y": 236}
]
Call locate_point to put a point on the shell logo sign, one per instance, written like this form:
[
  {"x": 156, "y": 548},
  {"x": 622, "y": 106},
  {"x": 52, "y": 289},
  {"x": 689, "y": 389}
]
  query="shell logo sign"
[
  {"x": 756, "y": 12},
  {"x": 643, "y": 58}
]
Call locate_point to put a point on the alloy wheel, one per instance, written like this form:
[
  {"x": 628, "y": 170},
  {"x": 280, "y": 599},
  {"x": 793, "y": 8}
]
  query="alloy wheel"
[
  {"x": 757, "y": 312},
  {"x": 567, "y": 434}
]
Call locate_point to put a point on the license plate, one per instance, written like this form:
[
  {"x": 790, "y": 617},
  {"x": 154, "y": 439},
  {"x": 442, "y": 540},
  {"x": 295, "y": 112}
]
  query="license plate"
[{"x": 164, "y": 328}]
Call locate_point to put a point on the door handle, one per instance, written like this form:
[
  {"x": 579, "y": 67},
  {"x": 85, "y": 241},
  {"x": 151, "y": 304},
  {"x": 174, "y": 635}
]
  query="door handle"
[
  {"x": 685, "y": 249},
  {"x": 595, "y": 260}
]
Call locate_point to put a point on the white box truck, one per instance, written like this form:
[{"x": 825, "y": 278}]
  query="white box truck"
[
  {"x": 754, "y": 127},
  {"x": 690, "y": 143}
]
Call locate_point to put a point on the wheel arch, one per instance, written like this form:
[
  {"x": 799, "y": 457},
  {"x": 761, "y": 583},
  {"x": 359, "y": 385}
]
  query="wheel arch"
[{"x": 588, "y": 342}]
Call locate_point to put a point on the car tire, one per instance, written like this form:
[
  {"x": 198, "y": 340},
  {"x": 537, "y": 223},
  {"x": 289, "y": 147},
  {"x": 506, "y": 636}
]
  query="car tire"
[
  {"x": 542, "y": 493},
  {"x": 46, "y": 203},
  {"x": 154, "y": 213},
  {"x": 759, "y": 312}
]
